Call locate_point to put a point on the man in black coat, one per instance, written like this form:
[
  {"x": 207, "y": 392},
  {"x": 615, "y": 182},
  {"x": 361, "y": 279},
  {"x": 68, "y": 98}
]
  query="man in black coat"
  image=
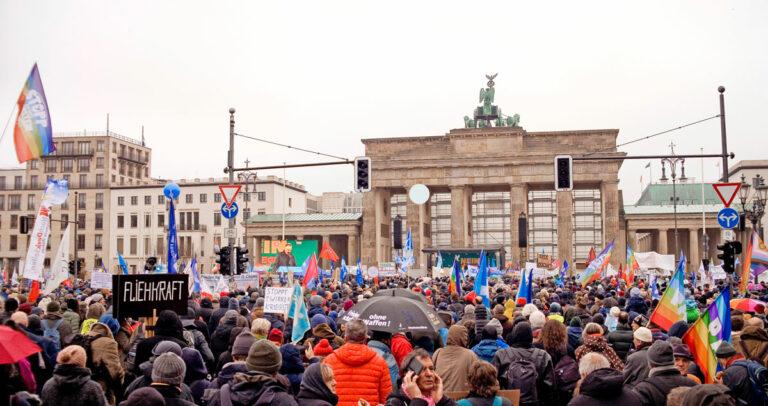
[
  {"x": 662, "y": 377},
  {"x": 621, "y": 339}
]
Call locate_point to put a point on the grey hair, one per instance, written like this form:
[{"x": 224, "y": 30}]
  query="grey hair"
[
  {"x": 356, "y": 331},
  {"x": 592, "y": 361}
]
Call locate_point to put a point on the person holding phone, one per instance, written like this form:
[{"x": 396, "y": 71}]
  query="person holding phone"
[{"x": 421, "y": 385}]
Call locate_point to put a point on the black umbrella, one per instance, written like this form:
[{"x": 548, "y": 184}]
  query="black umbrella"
[
  {"x": 400, "y": 292},
  {"x": 395, "y": 314}
]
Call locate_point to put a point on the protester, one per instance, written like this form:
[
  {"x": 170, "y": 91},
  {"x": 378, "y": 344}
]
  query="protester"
[
  {"x": 54, "y": 325},
  {"x": 71, "y": 383},
  {"x": 735, "y": 374},
  {"x": 594, "y": 341},
  {"x": 621, "y": 338},
  {"x": 379, "y": 342},
  {"x": 105, "y": 361},
  {"x": 489, "y": 344},
  {"x": 454, "y": 362},
  {"x": 167, "y": 328},
  {"x": 524, "y": 367},
  {"x": 318, "y": 387},
  {"x": 683, "y": 361},
  {"x": 602, "y": 385},
  {"x": 753, "y": 341},
  {"x": 663, "y": 376},
  {"x": 168, "y": 372},
  {"x": 422, "y": 388},
  {"x": 483, "y": 387},
  {"x": 637, "y": 367}
]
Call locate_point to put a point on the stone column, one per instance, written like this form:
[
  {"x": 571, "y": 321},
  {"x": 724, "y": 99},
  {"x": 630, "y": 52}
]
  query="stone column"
[
  {"x": 661, "y": 244},
  {"x": 420, "y": 222},
  {"x": 351, "y": 249},
  {"x": 376, "y": 223},
  {"x": 461, "y": 216},
  {"x": 256, "y": 253},
  {"x": 694, "y": 257},
  {"x": 565, "y": 226},
  {"x": 632, "y": 239},
  {"x": 518, "y": 204},
  {"x": 609, "y": 192},
  {"x": 413, "y": 222}
]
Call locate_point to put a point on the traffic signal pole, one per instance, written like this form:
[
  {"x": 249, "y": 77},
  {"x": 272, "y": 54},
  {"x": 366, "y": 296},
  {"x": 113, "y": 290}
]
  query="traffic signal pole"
[{"x": 230, "y": 167}]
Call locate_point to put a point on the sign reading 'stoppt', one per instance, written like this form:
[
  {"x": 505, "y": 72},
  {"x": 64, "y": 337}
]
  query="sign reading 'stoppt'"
[{"x": 139, "y": 295}]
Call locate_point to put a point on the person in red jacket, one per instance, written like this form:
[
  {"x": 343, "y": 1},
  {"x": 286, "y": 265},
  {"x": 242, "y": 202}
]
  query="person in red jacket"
[
  {"x": 360, "y": 372},
  {"x": 400, "y": 347}
]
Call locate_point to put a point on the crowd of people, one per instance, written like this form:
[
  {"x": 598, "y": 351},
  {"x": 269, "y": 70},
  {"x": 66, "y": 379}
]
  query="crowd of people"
[{"x": 569, "y": 346}]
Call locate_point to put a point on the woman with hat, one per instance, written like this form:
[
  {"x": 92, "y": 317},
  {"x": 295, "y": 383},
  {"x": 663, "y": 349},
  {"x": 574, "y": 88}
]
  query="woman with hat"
[{"x": 71, "y": 383}]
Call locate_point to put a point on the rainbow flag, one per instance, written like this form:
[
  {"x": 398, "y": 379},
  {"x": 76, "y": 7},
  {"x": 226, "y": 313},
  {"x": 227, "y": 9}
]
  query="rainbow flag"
[
  {"x": 706, "y": 334},
  {"x": 455, "y": 286},
  {"x": 671, "y": 307},
  {"x": 755, "y": 261},
  {"x": 594, "y": 270},
  {"x": 32, "y": 135},
  {"x": 632, "y": 266}
]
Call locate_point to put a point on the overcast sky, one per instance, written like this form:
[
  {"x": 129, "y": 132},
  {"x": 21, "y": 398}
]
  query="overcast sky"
[{"x": 322, "y": 75}]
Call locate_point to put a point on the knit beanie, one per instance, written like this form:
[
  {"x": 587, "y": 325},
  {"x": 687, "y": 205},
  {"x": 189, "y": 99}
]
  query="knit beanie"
[
  {"x": 73, "y": 354},
  {"x": 528, "y": 309},
  {"x": 496, "y": 324},
  {"x": 53, "y": 307},
  {"x": 661, "y": 354},
  {"x": 146, "y": 396},
  {"x": 166, "y": 346},
  {"x": 243, "y": 343},
  {"x": 276, "y": 336},
  {"x": 169, "y": 369},
  {"x": 555, "y": 308},
  {"x": 315, "y": 300},
  {"x": 643, "y": 334},
  {"x": 348, "y": 304},
  {"x": 575, "y": 322},
  {"x": 264, "y": 356},
  {"x": 323, "y": 348},
  {"x": 317, "y": 319},
  {"x": 725, "y": 350}
]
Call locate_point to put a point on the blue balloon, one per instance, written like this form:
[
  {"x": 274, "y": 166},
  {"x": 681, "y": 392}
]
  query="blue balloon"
[{"x": 171, "y": 190}]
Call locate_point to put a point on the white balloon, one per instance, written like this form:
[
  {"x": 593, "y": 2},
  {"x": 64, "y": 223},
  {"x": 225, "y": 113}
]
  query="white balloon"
[{"x": 419, "y": 193}]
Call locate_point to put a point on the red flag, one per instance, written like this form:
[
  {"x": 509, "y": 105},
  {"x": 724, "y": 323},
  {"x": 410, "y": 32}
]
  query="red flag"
[
  {"x": 621, "y": 272},
  {"x": 34, "y": 292},
  {"x": 592, "y": 255},
  {"x": 328, "y": 253},
  {"x": 311, "y": 272}
]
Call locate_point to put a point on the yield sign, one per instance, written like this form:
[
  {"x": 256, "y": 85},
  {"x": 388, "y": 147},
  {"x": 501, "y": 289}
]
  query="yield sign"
[
  {"x": 229, "y": 192},
  {"x": 726, "y": 191}
]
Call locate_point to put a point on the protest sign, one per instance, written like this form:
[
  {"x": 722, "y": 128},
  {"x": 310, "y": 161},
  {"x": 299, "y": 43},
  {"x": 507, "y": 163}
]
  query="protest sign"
[
  {"x": 139, "y": 295},
  {"x": 246, "y": 280},
  {"x": 387, "y": 269},
  {"x": 277, "y": 300},
  {"x": 101, "y": 280}
]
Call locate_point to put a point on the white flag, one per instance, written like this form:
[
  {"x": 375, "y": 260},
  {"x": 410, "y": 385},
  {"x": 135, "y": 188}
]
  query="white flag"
[
  {"x": 38, "y": 240},
  {"x": 60, "y": 265}
]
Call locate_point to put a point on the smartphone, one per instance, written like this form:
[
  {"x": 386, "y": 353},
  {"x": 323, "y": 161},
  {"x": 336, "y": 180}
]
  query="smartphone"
[{"x": 416, "y": 366}]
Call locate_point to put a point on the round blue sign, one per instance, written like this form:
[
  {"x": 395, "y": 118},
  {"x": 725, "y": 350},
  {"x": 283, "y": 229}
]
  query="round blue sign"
[
  {"x": 229, "y": 212},
  {"x": 728, "y": 218}
]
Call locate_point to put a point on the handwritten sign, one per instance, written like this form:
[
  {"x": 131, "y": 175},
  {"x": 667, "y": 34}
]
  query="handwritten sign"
[
  {"x": 246, "y": 280},
  {"x": 277, "y": 300},
  {"x": 139, "y": 295},
  {"x": 101, "y": 280}
]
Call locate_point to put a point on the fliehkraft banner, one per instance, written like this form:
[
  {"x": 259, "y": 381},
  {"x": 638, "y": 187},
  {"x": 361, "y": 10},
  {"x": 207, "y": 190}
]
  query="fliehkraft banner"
[
  {"x": 139, "y": 295},
  {"x": 287, "y": 252}
]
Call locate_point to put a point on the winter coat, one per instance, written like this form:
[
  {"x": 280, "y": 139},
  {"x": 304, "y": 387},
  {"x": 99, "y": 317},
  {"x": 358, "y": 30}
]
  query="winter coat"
[
  {"x": 323, "y": 331},
  {"x": 255, "y": 388},
  {"x": 220, "y": 337},
  {"x": 736, "y": 377},
  {"x": 600, "y": 346},
  {"x": 755, "y": 341},
  {"x": 400, "y": 347},
  {"x": 636, "y": 367},
  {"x": 72, "y": 385},
  {"x": 605, "y": 387},
  {"x": 454, "y": 361},
  {"x": 199, "y": 343},
  {"x": 106, "y": 357},
  {"x": 621, "y": 340},
  {"x": 292, "y": 366},
  {"x": 538, "y": 357},
  {"x": 314, "y": 391},
  {"x": 65, "y": 331},
  {"x": 360, "y": 373},
  {"x": 486, "y": 349},
  {"x": 314, "y": 310},
  {"x": 72, "y": 319},
  {"x": 479, "y": 401},
  {"x": 386, "y": 353},
  {"x": 481, "y": 318},
  {"x": 171, "y": 394},
  {"x": 216, "y": 315},
  {"x": 400, "y": 399},
  {"x": 167, "y": 327},
  {"x": 574, "y": 336},
  {"x": 145, "y": 379},
  {"x": 637, "y": 304},
  {"x": 661, "y": 380},
  {"x": 506, "y": 324}
]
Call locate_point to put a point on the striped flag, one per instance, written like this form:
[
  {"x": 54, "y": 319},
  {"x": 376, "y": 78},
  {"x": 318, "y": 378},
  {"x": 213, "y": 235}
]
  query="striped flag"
[
  {"x": 671, "y": 307},
  {"x": 592, "y": 273},
  {"x": 455, "y": 286},
  {"x": 755, "y": 261},
  {"x": 708, "y": 332}
]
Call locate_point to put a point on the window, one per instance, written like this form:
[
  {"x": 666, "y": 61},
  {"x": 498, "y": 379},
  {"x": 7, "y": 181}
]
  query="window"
[
  {"x": 134, "y": 200},
  {"x": 100, "y": 181},
  {"x": 147, "y": 200},
  {"x": 196, "y": 220},
  {"x": 81, "y": 200},
  {"x": 146, "y": 246},
  {"x": 262, "y": 196},
  {"x": 66, "y": 165},
  {"x": 217, "y": 219},
  {"x": 97, "y": 242},
  {"x": 246, "y": 197},
  {"x": 14, "y": 243},
  {"x": 81, "y": 241},
  {"x": 100, "y": 163},
  {"x": 160, "y": 247},
  {"x": 114, "y": 164},
  {"x": 261, "y": 211},
  {"x": 161, "y": 220},
  {"x": 246, "y": 214},
  {"x": 2, "y": 182},
  {"x": 50, "y": 165},
  {"x": 120, "y": 245},
  {"x": 99, "y": 146},
  {"x": 83, "y": 180},
  {"x": 120, "y": 221},
  {"x": 18, "y": 182},
  {"x": 65, "y": 220},
  {"x": 217, "y": 240},
  {"x": 114, "y": 147},
  {"x": 121, "y": 201},
  {"x": 84, "y": 147},
  {"x": 14, "y": 221},
  {"x": 33, "y": 180},
  {"x": 203, "y": 198},
  {"x": 2, "y": 202},
  {"x": 66, "y": 148},
  {"x": 290, "y": 202},
  {"x": 188, "y": 198},
  {"x": 99, "y": 201},
  {"x": 30, "y": 202},
  {"x": 133, "y": 245},
  {"x": 81, "y": 221},
  {"x": 160, "y": 199},
  {"x": 217, "y": 197},
  {"x": 99, "y": 221},
  {"x": 147, "y": 220},
  {"x": 83, "y": 165},
  {"x": 33, "y": 164},
  {"x": 14, "y": 202},
  {"x": 134, "y": 220}
]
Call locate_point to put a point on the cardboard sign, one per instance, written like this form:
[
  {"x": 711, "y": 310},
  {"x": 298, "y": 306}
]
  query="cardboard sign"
[
  {"x": 139, "y": 295},
  {"x": 101, "y": 280},
  {"x": 277, "y": 300},
  {"x": 246, "y": 280}
]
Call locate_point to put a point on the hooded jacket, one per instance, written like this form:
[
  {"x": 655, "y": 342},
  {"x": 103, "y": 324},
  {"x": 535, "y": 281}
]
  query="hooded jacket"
[
  {"x": 386, "y": 353},
  {"x": 661, "y": 380},
  {"x": 454, "y": 361},
  {"x": 400, "y": 347},
  {"x": 605, "y": 387},
  {"x": 313, "y": 390},
  {"x": 105, "y": 354},
  {"x": 72, "y": 385},
  {"x": 292, "y": 366},
  {"x": 254, "y": 389},
  {"x": 72, "y": 318},
  {"x": 360, "y": 373},
  {"x": 520, "y": 341},
  {"x": 324, "y": 331},
  {"x": 755, "y": 341},
  {"x": 636, "y": 368},
  {"x": 574, "y": 336}
]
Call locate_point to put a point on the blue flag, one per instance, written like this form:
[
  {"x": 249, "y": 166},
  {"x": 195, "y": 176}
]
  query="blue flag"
[
  {"x": 173, "y": 243},
  {"x": 481, "y": 280},
  {"x": 522, "y": 290},
  {"x": 343, "y": 272},
  {"x": 123, "y": 265},
  {"x": 359, "y": 278},
  {"x": 529, "y": 290},
  {"x": 299, "y": 314},
  {"x": 195, "y": 276}
]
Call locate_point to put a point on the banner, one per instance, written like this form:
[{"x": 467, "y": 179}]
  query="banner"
[
  {"x": 653, "y": 260},
  {"x": 277, "y": 300},
  {"x": 101, "y": 280},
  {"x": 140, "y": 295},
  {"x": 387, "y": 269},
  {"x": 246, "y": 280},
  {"x": 543, "y": 261},
  {"x": 286, "y": 253},
  {"x": 33, "y": 267},
  {"x": 59, "y": 265}
]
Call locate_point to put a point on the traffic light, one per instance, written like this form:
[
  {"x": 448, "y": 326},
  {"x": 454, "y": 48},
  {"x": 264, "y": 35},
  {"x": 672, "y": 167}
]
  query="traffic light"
[
  {"x": 363, "y": 174},
  {"x": 397, "y": 233},
  {"x": 563, "y": 173},
  {"x": 149, "y": 264},
  {"x": 72, "y": 267},
  {"x": 728, "y": 257},
  {"x": 241, "y": 260},
  {"x": 224, "y": 260}
]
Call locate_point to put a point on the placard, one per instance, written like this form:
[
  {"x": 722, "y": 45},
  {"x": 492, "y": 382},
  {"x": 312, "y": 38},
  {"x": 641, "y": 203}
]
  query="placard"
[
  {"x": 387, "y": 269},
  {"x": 246, "y": 280},
  {"x": 101, "y": 280},
  {"x": 139, "y": 295},
  {"x": 277, "y": 300}
]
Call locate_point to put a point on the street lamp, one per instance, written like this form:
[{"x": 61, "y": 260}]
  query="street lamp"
[
  {"x": 247, "y": 177},
  {"x": 673, "y": 164},
  {"x": 757, "y": 206}
]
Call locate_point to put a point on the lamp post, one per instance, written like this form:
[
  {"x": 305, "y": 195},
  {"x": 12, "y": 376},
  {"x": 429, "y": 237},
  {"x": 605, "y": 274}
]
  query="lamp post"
[
  {"x": 247, "y": 177},
  {"x": 757, "y": 206},
  {"x": 673, "y": 164}
]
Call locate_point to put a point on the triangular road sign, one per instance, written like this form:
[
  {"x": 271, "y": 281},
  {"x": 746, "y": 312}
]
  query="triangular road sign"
[
  {"x": 726, "y": 192},
  {"x": 229, "y": 193}
]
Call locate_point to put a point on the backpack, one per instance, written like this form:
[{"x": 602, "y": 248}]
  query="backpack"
[
  {"x": 758, "y": 382},
  {"x": 85, "y": 340},
  {"x": 566, "y": 374},
  {"x": 52, "y": 332},
  {"x": 522, "y": 374},
  {"x": 497, "y": 401}
]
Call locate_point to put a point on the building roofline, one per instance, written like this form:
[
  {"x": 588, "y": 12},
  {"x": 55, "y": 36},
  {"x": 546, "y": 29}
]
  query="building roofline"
[
  {"x": 490, "y": 132},
  {"x": 97, "y": 134}
]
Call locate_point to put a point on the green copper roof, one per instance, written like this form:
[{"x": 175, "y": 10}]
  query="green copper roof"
[{"x": 660, "y": 194}]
